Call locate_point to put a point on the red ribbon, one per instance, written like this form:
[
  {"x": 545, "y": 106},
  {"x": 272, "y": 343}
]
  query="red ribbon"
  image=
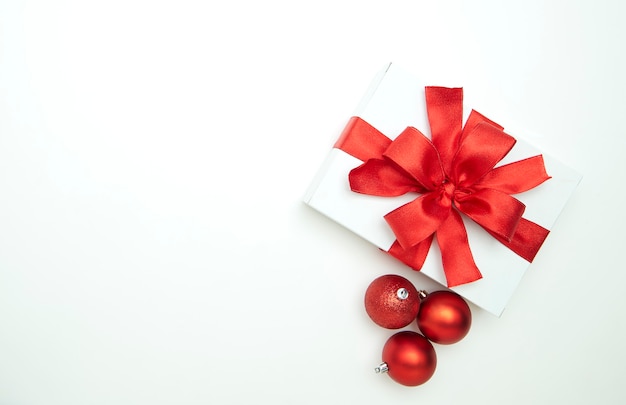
[{"x": 454, "y": 173}]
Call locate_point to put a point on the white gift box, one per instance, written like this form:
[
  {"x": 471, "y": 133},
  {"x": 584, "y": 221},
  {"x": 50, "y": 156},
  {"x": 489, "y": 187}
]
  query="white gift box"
[{"x": 394, "y": 101}]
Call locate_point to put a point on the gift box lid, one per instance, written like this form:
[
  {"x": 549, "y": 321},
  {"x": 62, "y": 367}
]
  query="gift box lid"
[{"x": 394, "y": 101}]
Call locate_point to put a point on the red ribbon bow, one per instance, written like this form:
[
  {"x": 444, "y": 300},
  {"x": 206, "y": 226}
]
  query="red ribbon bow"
[{"x": 453, "y": 173}]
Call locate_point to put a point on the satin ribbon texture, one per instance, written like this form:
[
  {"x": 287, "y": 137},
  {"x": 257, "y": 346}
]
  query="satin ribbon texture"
[{"x": 453, "y": 173}]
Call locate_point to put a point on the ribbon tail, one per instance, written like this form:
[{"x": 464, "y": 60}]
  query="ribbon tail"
[
  {"x": 414, "y": 256},
  {"x": 527, "y": 239},
  {"x": 458, "y": 262}
]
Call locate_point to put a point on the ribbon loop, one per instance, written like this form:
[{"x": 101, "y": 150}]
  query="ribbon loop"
[
  {"x": 473, "y": 160},
  {"x": 493, "y": 210},
  {"x": 445, "y": 115},
  {"x": 417, "y": 155},
  {"x": 415, "y": 221},
  {"x": 377, "y": 177},
  {"x": 515, "y": 177}
]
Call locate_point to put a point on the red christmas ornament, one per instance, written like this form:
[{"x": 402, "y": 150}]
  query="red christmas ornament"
[
  {"x": 444, "y": 317},
  {"x": 392, "y": 301},
  {"x": 409, "y": 358}
]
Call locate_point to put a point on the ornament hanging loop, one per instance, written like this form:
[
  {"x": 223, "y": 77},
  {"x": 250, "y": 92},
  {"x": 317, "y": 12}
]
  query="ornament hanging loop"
[{"x": 382, "y": 368}]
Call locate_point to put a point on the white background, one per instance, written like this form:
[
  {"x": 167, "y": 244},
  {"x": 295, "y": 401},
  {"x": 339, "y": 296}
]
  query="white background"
[{"x": 154, "y": 248}]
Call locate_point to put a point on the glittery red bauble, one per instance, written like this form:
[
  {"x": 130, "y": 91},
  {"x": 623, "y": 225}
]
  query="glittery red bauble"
[
  {"x": 410, "y": 358},
  {"x": 392, "y": 301},
  {"x": 444, "y": 317}
]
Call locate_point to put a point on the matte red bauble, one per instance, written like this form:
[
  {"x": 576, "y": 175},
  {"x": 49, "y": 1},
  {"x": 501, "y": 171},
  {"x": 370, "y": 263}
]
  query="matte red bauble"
[
  {"x": 409, "y": 358},
  {"x": 444, "y": 317},
  {"x": 392, "y": 301}
]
